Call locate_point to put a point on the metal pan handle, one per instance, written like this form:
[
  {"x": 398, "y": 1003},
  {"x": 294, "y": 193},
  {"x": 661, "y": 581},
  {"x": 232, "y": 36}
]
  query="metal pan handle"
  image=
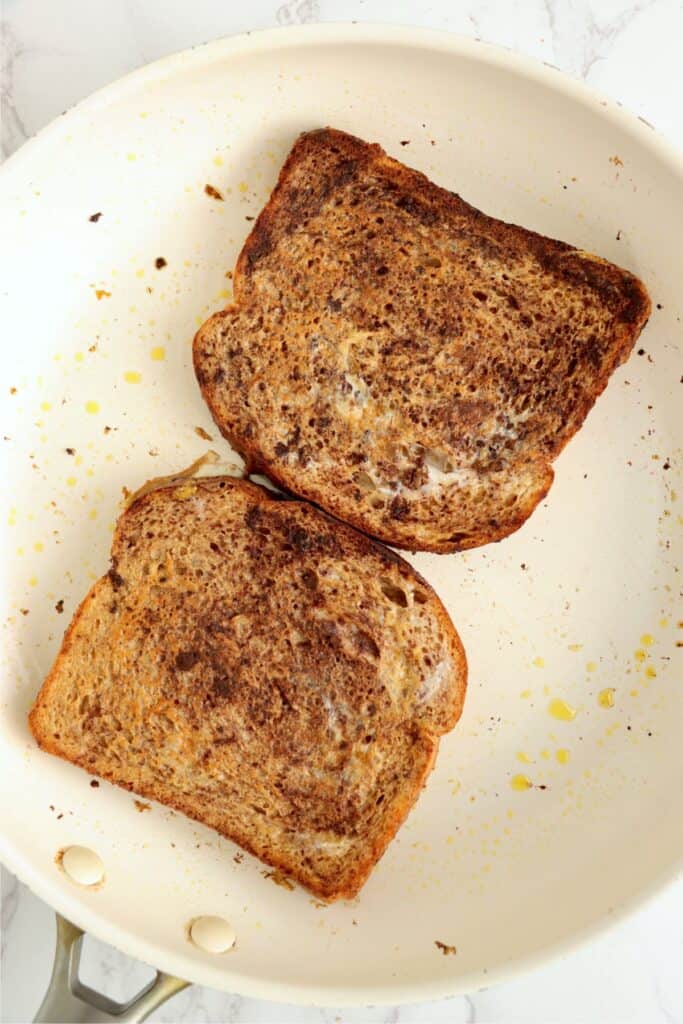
[{"x": 69, "y": 1001}]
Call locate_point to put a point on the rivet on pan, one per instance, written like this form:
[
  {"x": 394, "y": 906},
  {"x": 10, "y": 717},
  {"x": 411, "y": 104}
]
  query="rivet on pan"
[
  {"x": 81, "y": 865},
  {"x": 212, "y": 934}
]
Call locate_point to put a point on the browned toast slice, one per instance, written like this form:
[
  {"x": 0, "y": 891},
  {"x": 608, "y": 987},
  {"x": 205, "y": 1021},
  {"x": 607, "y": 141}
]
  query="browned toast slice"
[
  {"x": 401, "y": 359},
  {"x": 262, "y": 668}
]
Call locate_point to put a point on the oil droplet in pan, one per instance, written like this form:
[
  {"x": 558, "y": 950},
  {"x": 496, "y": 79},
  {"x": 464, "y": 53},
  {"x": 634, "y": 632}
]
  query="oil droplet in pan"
[
  {"x": 561, "y": 710},
  {"x": 606, "y": 698},
  {"x": 520, "y": 783},
  {"x": 562, "y": 756}
]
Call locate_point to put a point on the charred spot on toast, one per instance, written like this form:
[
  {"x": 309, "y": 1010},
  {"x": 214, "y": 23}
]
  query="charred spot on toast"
[
  {"x": 186, "y": 660},
  {"x": 115, "y": 578}
]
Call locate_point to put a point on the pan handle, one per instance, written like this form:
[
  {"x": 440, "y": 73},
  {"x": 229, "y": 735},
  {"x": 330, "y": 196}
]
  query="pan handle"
[{"x": 69, "y": 1001}]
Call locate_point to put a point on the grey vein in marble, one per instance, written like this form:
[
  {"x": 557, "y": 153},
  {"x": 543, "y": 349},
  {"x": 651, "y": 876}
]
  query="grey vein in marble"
[
  {"x": 12, "y": 129},
  {"x": 298, "y": 12},
  {"x": 583, "y": 32}
]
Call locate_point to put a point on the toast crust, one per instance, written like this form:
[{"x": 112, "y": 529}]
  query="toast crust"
[
  {"x": 231, "y": 357},
  {"x": 55, "y": 731}
]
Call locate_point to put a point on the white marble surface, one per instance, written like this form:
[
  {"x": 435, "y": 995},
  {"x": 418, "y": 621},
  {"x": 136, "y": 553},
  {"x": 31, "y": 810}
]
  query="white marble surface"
[{"x": 54, "y": 52}]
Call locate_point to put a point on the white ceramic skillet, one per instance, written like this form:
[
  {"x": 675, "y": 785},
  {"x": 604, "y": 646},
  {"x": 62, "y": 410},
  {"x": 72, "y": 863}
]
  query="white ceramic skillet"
[{"x": 534, "y": 830}]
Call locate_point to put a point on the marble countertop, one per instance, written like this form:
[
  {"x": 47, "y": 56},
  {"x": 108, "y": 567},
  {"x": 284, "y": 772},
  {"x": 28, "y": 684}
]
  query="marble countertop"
[{"x": 53, "y": 54}]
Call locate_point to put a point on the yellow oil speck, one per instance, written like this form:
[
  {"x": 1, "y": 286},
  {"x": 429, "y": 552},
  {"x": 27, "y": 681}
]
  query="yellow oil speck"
[
  {"x": 78, "y": 460},
  {"x": 140, "y": 273},
  {"x": 510, "y": 815},
  {"x": 90, "y": 472},
  {"x": 664, "y": 622},
  {"x": 184, "y": 492},
  {"x": 11, "y": 521},
  {"x": 158, "y": 353},
  {"x": 538, "y": 663},
  {"x": 131, "y": 156},
  {"x": 243, "y": 187},
  {"x": 606, "y": 697},
  {"x": 633, "y": 693},
  {"x": 92, "y": 514},
  {"x": 71, "y": 481},
  {"x": 561, "y": 710},
  {"x": 20, "y": 551},
  {"x": 57, "y": 356},
  {"x": 45, "y": 406},
  {"x": 224, "y": 293},
  {"x": 525, "y": 694},
  {"x": 38, "y": 546},
  {"x": 562, "y": 756},
  {"x": 199, "y": 320},
  {"x": 187, "y": 263},
  {"x": 33, "y": 581},
  {"x": 647, "y": 640},
  {"x": 545, "y": 754},
  {"x": 524, "y": 758},
  {"x": 132, "y": 377},
  {"x": 144, "y": 113},
  {"x": 640, "y": 655},
  {"x": 102, "y": 293},
  {"x": 92, "y": 407},
  {"x": 520, "y": 782},
  {"x": 651, "y": 672},
  {"x": 546, "y": 690},
  {"x": 218, "y": 161},
  {"x": 591, "y": 666},
  {"x": 574, "y": 647},
  {"x": 132, "y": 309},
  {"x": 79, "y": 357}
]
